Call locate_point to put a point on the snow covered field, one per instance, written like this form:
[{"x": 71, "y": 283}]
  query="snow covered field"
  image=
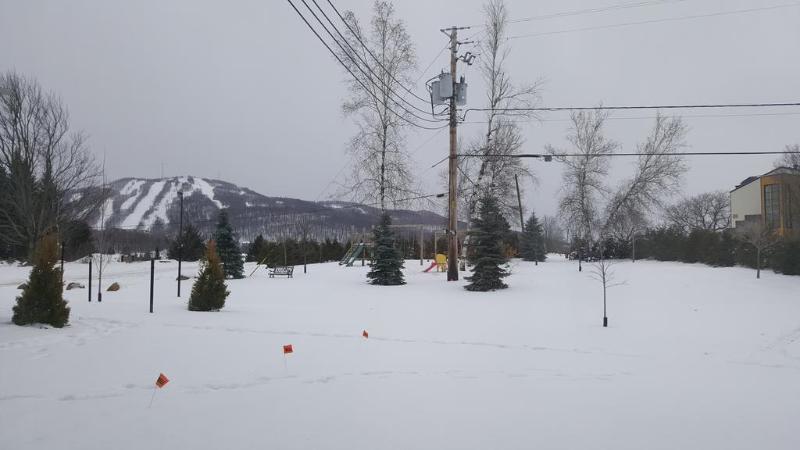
[{"x": 694, "y": 358}]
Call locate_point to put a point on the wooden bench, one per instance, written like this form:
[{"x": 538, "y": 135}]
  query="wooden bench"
[{"x": 281, "y": 270}]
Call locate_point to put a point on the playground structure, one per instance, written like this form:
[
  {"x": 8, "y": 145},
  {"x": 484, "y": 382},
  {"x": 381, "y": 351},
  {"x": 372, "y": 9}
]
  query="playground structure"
[
  {"x": 356, "y": 251},
  {"x": 439, "y": 262},
  {"x": 363, "y": 248}
]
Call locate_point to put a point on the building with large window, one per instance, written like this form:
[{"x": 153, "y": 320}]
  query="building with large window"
[{"x": 772, "y": 199}]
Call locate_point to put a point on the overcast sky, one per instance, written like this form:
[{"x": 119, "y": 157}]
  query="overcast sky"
[{"x": 240, "y": 90}]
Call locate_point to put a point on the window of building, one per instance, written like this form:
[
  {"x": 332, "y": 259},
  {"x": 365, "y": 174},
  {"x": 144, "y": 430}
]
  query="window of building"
[{"x": 772, "y": 205}]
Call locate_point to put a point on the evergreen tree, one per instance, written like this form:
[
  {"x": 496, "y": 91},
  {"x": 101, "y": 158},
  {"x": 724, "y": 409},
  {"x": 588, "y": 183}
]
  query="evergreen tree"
[
  {"x": 42, "y": 299},
  {"x": 532, "y": 241},
  {"x": 387, "y": 266},
  {"x": 487, "y": 250},
  {"x": 193, "y": 246},
  {"x": 786, "y": 257},
  {"x": 228, "y": 248},
  {"x": 256, "y": 251},
  {"x": 209, "y": 291}
]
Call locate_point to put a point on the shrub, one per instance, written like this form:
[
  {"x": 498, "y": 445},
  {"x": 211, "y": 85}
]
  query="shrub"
[
  {"x": 209, "y": 291},
  {"x": 42, "y": 299}
]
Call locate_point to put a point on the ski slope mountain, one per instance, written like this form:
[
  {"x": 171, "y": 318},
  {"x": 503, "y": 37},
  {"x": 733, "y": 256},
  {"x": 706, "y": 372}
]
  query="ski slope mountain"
[{"x": 154, "y": 205}]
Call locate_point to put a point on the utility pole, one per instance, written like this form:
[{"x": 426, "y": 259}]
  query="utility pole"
[
  {"x": 452, "y": 232},
  {"x": 519, "y": 202}
]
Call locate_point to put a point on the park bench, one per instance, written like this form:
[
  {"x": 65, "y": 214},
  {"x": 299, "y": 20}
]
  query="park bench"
[{"x": 281, "y": 270}]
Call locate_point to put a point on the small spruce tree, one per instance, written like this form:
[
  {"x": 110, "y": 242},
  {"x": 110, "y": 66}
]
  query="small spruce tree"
[
  {"x": 209, "y": 291},
  {"x": 532, "y": 241},
  {"x": 228, "y": 249},
  {"x": 487, "y": 253},
  {"x": 387, "y": 266},
  {"x": 42, "y": 299}
]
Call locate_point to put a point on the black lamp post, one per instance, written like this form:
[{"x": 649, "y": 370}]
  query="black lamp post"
[{"x": 180, "y": 242}]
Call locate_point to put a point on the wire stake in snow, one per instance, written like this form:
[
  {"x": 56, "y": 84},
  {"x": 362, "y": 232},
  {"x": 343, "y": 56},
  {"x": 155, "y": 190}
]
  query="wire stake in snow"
[
  {"x": 161, "y": 381},
  {"x": 286, "y": 350}
]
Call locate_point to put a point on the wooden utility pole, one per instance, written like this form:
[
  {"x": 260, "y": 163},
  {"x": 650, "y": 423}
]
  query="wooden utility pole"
[
  {"x": 452, "y": 232},
  {"x": 519, "y": 202}
]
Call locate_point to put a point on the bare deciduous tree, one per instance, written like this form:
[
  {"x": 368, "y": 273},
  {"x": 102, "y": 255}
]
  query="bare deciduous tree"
[
  {"x": 104, "y": 255},
  {"x": 495, "y": 172},
  {"x": 381, "y": 171},
  {"x": 790, "y": 159},
  {"x": 759, "y": 236},
  {"x": 709, "y": 211},
  {"x": 602, "y": 271},
  {"x": 48, "y": 171},
  {"x": 584, "y": 173},
  {"x": 553, "y": 234},
  {"x": 658, "y": 173}
]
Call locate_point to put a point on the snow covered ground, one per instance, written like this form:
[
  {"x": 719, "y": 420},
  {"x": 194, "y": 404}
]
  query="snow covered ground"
[{"x": 694, "y": 358}]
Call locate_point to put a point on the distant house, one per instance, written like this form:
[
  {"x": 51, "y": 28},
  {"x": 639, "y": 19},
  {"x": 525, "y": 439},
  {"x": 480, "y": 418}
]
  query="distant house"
[{"x": 773, "y": 199}]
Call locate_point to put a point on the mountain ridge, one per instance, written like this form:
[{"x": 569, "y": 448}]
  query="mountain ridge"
[{"x": 153, "y": 204}]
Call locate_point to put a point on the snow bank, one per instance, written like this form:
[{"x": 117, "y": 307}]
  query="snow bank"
[{"x": 695, "y": 357}]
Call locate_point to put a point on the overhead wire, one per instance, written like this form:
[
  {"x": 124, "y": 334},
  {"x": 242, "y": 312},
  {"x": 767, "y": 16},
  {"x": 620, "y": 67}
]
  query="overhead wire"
[
  {"x": 689, "y": 116},
  {"x": 635, "y": 107},
  {"x": 355, "y": 52},
  {"x": 610, "y": 155},
  {"x": 358, "y": 80},
  {"x": 616, "y": 7},
  {"x": 358, "y": 38},
  {"x": 653, "y": 21},
  {"x": 360, "y": 69}
]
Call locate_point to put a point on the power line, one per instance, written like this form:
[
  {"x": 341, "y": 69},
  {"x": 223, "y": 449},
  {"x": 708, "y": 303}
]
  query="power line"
[
  {"x": 368, "y": 50},
  {"x": 548, "y": 156},
  {"x": 562, "y": 155},
  {"x": 441, "y": 195},
  {"x": 355, "y": 77},
  {"x": 427, "y": 141},
  {"x": 689, "y": 116},
  {"x": 355, "y": 52},
  {"x": 579, "y": 12},
  {"x": 635, "y": 107},
  {"x": 652, "y": 21},
  {"x": 360, "y": 69},
  {"x": 422, "y": 74},
  {"x": 619, "y": 6}
]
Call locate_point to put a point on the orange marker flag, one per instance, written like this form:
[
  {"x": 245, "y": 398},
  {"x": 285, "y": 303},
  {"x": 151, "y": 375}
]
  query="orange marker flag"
[
  {"x": 365, "y": 334},
  {"x": 161, "y": 381},
  {"x": 288, "y": 349}
]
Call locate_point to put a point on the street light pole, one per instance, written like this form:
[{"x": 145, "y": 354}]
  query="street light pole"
[{"x": 180, "y": 241}]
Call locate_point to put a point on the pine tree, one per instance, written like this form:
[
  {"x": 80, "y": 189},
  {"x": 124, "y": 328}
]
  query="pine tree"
[
  {"x": 228, "y": 248},
  {"x": 193, "y": 246},
  {"x": 532, "y": 241},
  {"x": 42, "y": 300},
  {"x": 256, "y": 251},
  {"x": 387, "y": 266},
  {"x": 209, "y": 291},
  {"x": 487, "y": 250}
]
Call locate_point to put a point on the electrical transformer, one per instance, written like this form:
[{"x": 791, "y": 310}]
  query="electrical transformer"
[{"x": 442, "y": 90}]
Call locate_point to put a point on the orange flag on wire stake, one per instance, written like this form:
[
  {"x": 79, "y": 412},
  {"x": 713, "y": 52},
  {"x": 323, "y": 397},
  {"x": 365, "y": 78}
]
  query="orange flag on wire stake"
[
  {"x": 288, "y": 349},
  {"x": 161, "y": 381},
  {"x": 365, "y": 334}
]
